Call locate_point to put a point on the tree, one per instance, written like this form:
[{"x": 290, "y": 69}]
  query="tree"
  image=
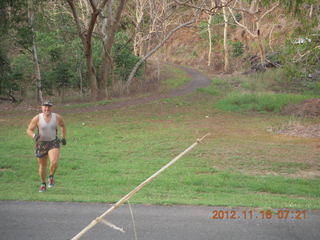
[
  {"x": 162, "y": 17},
  {"x": 19, "y": 24},
  {"x": 85, "y": 32},
  {"x": 36, "y": 63},
  {"x": 110, "y": 26},
  {"x": 225, "y": 37},
  {"x": 210, "y": 8},
  {"x": 7, "y": 85},
  {"x": 160, "y": 44},
  {"x": 257, "y": 15}
]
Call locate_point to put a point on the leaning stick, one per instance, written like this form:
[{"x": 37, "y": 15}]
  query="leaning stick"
[{"x": 134, "y": 191}]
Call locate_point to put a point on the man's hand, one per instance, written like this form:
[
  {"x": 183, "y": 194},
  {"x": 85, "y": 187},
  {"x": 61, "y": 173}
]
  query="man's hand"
[
  {"x": 64, "y": 141},
  {"x": 36, "y": 137}
]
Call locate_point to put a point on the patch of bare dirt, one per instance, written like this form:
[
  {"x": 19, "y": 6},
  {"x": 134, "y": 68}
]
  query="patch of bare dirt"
[
  {"x": 307, "y": 108},
  {"x": 301, "y": 131},
  {"x": 22, "y": 107}
]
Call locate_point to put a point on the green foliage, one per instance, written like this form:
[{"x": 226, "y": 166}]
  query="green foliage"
[
  {"x": 294, "y": 5},
  {"x": 237, "y": 49},
  {"x": 12, "y": 14},
  {"x": 300, "y": 58},
  {"x": 61, "y": 57},
  {"x": 61, "y": 75},
  {"x": 5, "y": 69},
  {"x": 215, "y": 38},
  {"x": 124, "y": 58},
  {"x": 9, "y": 80},
  {"x": 217, "y": 19}
]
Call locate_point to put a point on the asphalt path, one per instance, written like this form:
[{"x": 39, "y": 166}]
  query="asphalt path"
[{"x": 62, "y": 220}]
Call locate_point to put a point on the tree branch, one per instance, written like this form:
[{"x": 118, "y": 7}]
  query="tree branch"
[
  {"x": 269, "y": 11},
  {"x": 241, "y": 25},
  {"x": 135, "y": 68},
  {"x": 201, "y": 8},
  {"x": 76, "y": 18}
]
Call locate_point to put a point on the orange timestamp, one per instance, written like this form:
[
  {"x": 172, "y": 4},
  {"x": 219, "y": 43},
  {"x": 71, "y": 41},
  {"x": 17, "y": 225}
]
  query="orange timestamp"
[{"x": 263, "y": 214}]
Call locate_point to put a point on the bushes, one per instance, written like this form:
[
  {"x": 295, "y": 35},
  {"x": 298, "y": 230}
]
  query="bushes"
[
  {"x": 9, "y": 79},
  {"x": 237, "y": 49},
  {"x": 124, "y": 58}
]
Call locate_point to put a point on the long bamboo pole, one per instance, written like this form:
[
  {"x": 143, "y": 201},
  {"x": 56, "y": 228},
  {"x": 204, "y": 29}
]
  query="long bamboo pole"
[{"x": 134, "y": 191}]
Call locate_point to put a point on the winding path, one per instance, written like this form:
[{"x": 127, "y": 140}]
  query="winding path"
[{"x": 199, "y": 80}]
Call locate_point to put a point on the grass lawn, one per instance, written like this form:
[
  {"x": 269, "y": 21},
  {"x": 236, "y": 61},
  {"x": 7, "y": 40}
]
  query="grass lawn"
[{"x": 109, "y": 153}]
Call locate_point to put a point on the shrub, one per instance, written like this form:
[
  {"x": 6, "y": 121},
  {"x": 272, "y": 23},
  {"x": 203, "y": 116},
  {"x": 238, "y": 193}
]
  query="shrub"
[
  {"x": 237, "y": 49},
  {"x": 124, "y": 58}
]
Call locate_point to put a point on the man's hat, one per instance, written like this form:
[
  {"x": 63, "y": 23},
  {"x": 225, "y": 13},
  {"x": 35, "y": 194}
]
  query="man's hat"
[{"x": 47, "y": 103}]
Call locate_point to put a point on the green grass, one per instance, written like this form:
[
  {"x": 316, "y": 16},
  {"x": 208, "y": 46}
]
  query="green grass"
[
  {"x": 90, "y": 104},
  {"x": 258, "y": 102},
  {"x": 177, "y": 78},
  {"x": 111, "y": 152},
  {"x": 217, "y": 87},
  {"x": 258, "y": 92}
]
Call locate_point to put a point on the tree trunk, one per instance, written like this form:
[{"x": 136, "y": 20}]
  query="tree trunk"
[
  {"x": 225, "y": 38},
  {"x": 262, "y": 51},
  {"x": 210, "y": 40},
  {"x": 257, "y": 33},
  {"x": 37, "y": 72},
  {"x": 81, "y": 80},
  {"x": 106, "y": 65},
  {"x": 91, "y": 75},
  {"x": 104, "y": 73},
  {"x": 85, "y": 34}
]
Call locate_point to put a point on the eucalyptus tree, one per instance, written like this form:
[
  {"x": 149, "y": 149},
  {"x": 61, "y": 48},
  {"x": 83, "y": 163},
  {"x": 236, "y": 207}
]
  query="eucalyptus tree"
[
  {"x": 257, "y": 15},
  {"x": 165, "y": 19},
  {"x": 85, "y": 29},
  {"x": 36, "y": 63},
  {"x": 101, "y": 18}
]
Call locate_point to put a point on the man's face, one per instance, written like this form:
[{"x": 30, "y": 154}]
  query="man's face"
[{"x": 46, "y": 110}]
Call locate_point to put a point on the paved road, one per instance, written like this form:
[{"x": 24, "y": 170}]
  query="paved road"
[{"x": 50, "y": 221}]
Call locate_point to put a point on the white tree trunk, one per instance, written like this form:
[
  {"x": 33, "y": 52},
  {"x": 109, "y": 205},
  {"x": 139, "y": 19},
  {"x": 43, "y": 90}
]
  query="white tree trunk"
[
  {"x": 225, "y": 39},
  {"x": 210, "y": 40}
]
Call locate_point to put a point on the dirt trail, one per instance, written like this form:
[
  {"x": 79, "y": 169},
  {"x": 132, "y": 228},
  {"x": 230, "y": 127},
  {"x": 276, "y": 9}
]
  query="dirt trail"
[{"x": 199, "y": 80}]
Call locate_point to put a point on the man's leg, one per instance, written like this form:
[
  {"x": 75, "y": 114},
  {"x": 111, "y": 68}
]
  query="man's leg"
[
  {"x": 54, "y": 155},
  {"x": 43, "y": 168},
  {"x": 43, "y": 172}
]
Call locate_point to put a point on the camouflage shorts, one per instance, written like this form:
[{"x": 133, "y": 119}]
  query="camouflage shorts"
[{"x": 43, "y": 147}]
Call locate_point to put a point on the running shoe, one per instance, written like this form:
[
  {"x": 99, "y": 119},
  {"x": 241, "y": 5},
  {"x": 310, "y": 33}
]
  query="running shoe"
[
  {"x": 42, "y": 188},
  {"x": 50, "y": 182}
]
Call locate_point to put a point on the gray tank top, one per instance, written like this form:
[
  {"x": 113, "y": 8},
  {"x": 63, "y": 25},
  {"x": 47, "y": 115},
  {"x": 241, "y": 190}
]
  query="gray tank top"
[{"x": 47, "y": 131}]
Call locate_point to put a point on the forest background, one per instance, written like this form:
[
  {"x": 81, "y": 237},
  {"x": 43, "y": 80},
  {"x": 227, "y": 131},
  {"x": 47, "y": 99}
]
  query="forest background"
[{"x": 88, "y": 49}]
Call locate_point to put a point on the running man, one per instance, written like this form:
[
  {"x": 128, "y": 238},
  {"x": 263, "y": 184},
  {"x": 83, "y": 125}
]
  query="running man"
[{"x": 47, "y": 142}]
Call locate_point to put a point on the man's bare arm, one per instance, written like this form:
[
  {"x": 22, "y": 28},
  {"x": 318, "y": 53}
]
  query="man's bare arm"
[
  {"x": 63, "y": 126},
  {"x": 32, "y": 126}
]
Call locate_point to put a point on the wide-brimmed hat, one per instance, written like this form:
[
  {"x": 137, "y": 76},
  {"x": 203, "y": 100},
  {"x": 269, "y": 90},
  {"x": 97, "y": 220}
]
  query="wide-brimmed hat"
[{"x": 47, "y": 103}]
